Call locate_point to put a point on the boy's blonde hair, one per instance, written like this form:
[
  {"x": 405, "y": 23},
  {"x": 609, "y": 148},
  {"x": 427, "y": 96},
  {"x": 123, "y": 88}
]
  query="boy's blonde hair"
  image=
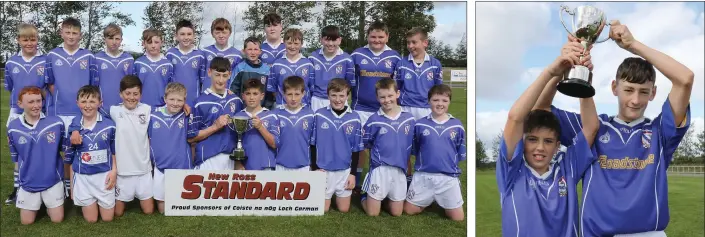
[
  {"x": 338, "y": 85},
  {"x": 175, "y": 87},
  {"x": 27, "y": 30},
  {"x": 112, "y": 30},
  {"x": 386, "y": 83},
  {"x": 294, "y": 34},
  {"x": 149, "y": 33}
]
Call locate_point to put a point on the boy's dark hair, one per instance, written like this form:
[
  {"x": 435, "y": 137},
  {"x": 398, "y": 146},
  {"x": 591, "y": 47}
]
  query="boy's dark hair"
[
  {"x": 220, "y": 64},
  {"x": 130, "y": 81},
  {"x": 539, "y": 118},
  {"x": 71, "y": 22},
  {"x": 636, "y": 70},
  {"x": 330, "y": 32},
  {"x": 253, "y": 83},
  {"x": 272, "y": 19},
  {"x": 338, "y": 85},
  {"x": 88, "y": 90},
  {"x": 293, "y": 82},
  {"x": 386, "y": 83},
  {"x": 221, "y": 24},
  {"x": 377, "y": 25},
  {"x": 440, "y": 89},
  {"x": 184, "y": 23},
  {"x": 250, "y": 39},
  {"x": 148, "y": 34},
  {"x": 416, "y": 31}
]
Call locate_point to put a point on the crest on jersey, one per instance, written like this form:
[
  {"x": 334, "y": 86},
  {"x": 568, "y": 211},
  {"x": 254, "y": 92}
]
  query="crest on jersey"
[
  {"x": 282, "y": 123},
  {"x": 324, "y": 125},
  {"x": 605, "y": 138},
  {"x": 562, "y": 187},
  {"x": 214, "y": 110},
  {"x": 40, "y": 70},
  {"x": 163, "y": 71},
  {"x": 383, "y": 131},
  {"x": 374, "y": 188},
  {"x": 143, "y": 118},
  {"x": 117, "y": 191},
  {"x": 104, "y": 66},
  {"x": 410, "y": 194},
  {"x": 305, "y": 125},
  {"x": 83, "y": 63},
  {"x": 440, "y": 74},
  {"x": 16, "y": 70},
  {"x": 349, "y": 129},
  {"x": 339, "y": 69},
  {"x": 388, "y": 63},
  {"x": 317, "y": 67},
  {"x": 86, "y": 157},
  {"x": 453, "y": 133},
  {"x": 156, "y": 125},
  {"x": 407, "y": 76},
  {"x": 143, "y": 70},
  {"x": 51, "y": 137},
  {"x": 429, "y": 76},
  {"x": 263, "y": 79},
  {"x": 58, "y": 63},
  {"x": 22, "y": 140},
  {"x": 282, "y": 71},
  {"x": 194, "y": 64},
  {"x": 104, "y": 136},
  {"x": 406, "y": 129},
  {"x": 210, "y": 57},
  {"x": 426, "y": 132},
  {"x": 265, "y": 56},
  {"x": 232, "y": 108},
  {"x": 646, "y": 139},
  {"x": 364, "y": 62},
  {"x": 125, "y": 67},
  {"x": 231, "y": 60},
  {"x": 304, "y": 72},
  {"x": 181, "y": 123}
]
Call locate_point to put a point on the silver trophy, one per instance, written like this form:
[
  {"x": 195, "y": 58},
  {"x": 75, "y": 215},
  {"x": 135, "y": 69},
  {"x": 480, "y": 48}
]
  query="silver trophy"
[
  {"x": 240, "y": 126},
  {"x": 588, "y": 23}
]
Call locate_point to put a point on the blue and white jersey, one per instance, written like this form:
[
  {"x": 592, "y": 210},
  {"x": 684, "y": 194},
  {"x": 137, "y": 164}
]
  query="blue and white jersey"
[
  {"x": 95, "y": 154},
  {"x": 189, "y": 70},
  {"x": 628, "y": 181},
  {"x": 370, "y": 67},
  {"x": 259, "y": 154},
  {"x": 20, "y": 73},
  {"x": 68, "y": 73},
  {"x": 295, "y": 132},
  {"x": 209, "y": 106},
  {"x": 231, "y": 53},
  {"x": 155, "y": 75},
  {"x": 36, "y": 149},
  {"x": 168, "y": 139},
  {"x": 439, "y": 146},
  {"x": 541, "y": 205},
  {"x": 336, "y": 137},
  {"x": 389, "y": 139},
  {"x": 283, "y": 68},
  {"x": 270, "y": 53},
  {"x": 416, "y": 80},
  {"x": 111, "y": 70},
  {"x": 326, "y": 69}
]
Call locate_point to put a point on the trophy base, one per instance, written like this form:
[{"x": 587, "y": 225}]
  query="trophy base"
[{"x": 576, "y": 88}]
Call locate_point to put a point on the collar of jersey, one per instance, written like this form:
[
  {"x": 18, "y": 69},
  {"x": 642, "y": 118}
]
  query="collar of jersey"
[
  {"x": 194, "y": 48},
  {"x": 348, "y": 110},
  {"x": 113, "y": 56},
  {"x": 383, "y": 50},
  {"x": 221, "y": 50},
  {"x": 258, "y": 112},
  {"x": 340, "y": 51},
  {"x": 632, "y": 124},
  {"x": 38, "y": 53},
  {"x": 426, "y": 58},
  {"x": 99, "y": 118},
  {"x": 164, "y": 111},
  {"x": 161, "y": 56},
  {"x": 381, "y": 113},
  {"x": 300, "y": 57},
  {"x": 281, "y": 41},
  {"x": 536, "y": 174},
  {"x": 294, "y": 112},
  {"x": 208, "y": 91},
  {"x": 430, "y": 117},
  {"x": 67, "y": 52},
  {"x": 41, "y": 116}
]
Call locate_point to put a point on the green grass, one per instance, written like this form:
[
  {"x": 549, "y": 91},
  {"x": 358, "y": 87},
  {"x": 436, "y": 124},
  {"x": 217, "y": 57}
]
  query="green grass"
[
  {"x": 134, "y": 223},
  {"x": 685, "y": 202}
]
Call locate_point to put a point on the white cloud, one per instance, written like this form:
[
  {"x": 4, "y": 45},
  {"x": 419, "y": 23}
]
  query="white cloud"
[
  {"x": 450, "y": 34},
  {"x": 442, "y": 5},
  {"x": 488, "y": 125}
]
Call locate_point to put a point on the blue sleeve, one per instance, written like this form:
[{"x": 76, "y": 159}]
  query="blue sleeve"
[
  {"x": 350, "y": 73},
  {"x": 135, "y": 69},
  {"x": 69, "y": 151},
  {"x": 272, "y": 80},
  {"x": 570, "y": 123},
  {"x": 507, "y": 171},
  {"x": 416, "y": 142},
  {"x": 73, "y": 126},
  {"x": 130, "y": 68},
  {"x": 357, "y": 139},
  {"x": 669, "y": 133},
  {"x": 311, "y": 80},
  {"x": 95, "y": 78},
  {"x": 460, "y": 144},
  {"x": 579, "y": 155},
  {"x": 234, "y": 83},
  {"x": 195, "y": 123},
  {"x": 397, "y": 76},
  {"x": 8, "y": 79},
  {"x": 188, "y": 124},
  {"x": 438, "y": 75},
  {"x": 368, "y": 135},
  {"x": 48, "y": 71},
  {"x": 313, "y": 129},
  {"x": 203, "y": 72},
  {"x": 273, "y": 128},
  {"x": 112, "y": 142},
  {"x": 13, "y": 150},
  {"x": 171, "y": 75},
  {"x": 149, "y": 128}
]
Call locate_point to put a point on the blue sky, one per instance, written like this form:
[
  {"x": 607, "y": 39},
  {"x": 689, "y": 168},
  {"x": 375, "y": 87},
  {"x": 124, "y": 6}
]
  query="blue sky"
[
  {"x": 450, "y": 16},
  {"x": 513, "y": 50}
]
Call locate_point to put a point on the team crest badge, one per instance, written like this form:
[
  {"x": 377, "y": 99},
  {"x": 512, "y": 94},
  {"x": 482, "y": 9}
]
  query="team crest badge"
[
  {"x": 232, "y": 108},
  {"x": 104, "y": 136},
  {"x": 406, "y": 129},
  {"x": 125, "y": 67},
  {"x": 605, "y": 138},
  {"x": 181, "y": 123},
  {"x": 339, "y": 69},
  {"x": 117, "y": 191},
  {"x": 86, "y": 157},
  {"x": 562, "y": 187},
  {"x": 646, "y": 139},
  {"x": 282, "y": 71},
  {"x": 40, "y": 70},
  {"x": 231, "y": 60},
  {"x": 305, "y": 125},
  {"x": 429, "y": 76},
  {"x": 265, "y": 56},
  {"x": 104, "y": 66},
  {"x": 143, "y": 70},
  {"x": 22, "y": 140},
  {"x": 453, "y": 133},
  {"x": 16, "y": 70},
  {"x": 364, "y": 62},
  {"x": 426, "y": 132},
  {"x": 304, "y": 72},
  {"x": 58, "y": 63},
  {"x": 263, "y": 79},
  {"x": 51, "y": 137},
  {"x": 317, "y": 67},
  {"x": 164, "y": 71},
  {"x": 388, "y": 63},
  {"x": 143, "y": 118},
  {"x": 374, "y": 188},
  {"x": 156, "y": 125},
  {"x": 324, "y": 125},
  {"x": 194, "y": 64},
  {"x": 173, "y": 61},
  {"x": 407, "y": 76},
  {"x": 383, "y": 131},
  {"x": 349, "y": 129},
  {"x": 214, "y": 110},
  {"x": 440, "y": 74},
  {"x": 411, "y": 194},
  {"x": 282, "y": 123},
  {"x": 84, "y": 64},
  {"x": 210, "y": 57}
]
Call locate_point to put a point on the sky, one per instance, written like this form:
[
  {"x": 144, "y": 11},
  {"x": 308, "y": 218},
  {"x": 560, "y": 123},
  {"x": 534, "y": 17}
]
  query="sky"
[
  {"x": 513, "y": 45},
  {"x": 450, "y": 16}
]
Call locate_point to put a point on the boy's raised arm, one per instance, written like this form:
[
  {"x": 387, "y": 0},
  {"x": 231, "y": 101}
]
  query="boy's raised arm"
[
  {"x": 588, "y": 114},
  {"x": 549, "y": 91}
]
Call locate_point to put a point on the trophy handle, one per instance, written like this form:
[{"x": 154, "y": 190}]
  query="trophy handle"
[
  {"x": 606, "y": 24},
  {"x": 560, "y": 16}
]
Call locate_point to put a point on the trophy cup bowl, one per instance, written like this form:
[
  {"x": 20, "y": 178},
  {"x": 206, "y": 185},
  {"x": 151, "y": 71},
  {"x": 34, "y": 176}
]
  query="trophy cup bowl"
[
  {"x": 588, "y": 23},
  {"x": 240, "y": 126}
]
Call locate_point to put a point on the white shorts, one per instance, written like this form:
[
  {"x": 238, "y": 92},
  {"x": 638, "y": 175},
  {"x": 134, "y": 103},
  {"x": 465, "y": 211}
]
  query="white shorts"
[
  {"x": 317, "y": 103},
  {"x": 428, "y": 187},
  {"x": 13, "y": 115},
  {"x": 644, "y": 234},
  {"x": 129, "y": 187},
  {"x": 385, "y": 182},
  {"x": 282, "y": 168},
  {"x": 67, "y": 121},
  {"x": 418, "y": 112},
  {"x": 364, "y": 116},
  {"x": 158, "y": 185},
  {"x": 89, "y": 188},
  {"x": 52, "y": 198},
  {"x": 220, "y": 161},
  {"x": 335, "y": 183}
]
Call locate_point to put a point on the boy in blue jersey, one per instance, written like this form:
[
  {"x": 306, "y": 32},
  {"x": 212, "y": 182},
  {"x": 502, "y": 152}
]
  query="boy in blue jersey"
[
  {"x": 292, "y": 64},
  {"x": 629, "y": 179},
  {"x": 337, "y": 139},
  {"x": 21, "y": 70},
  {"x": 262, "y": 135},
  {"x": 221, "y": 31},
  {"x": 34, "y": 141},
  {"x": 328, "y": 63},
  {"x": 168, "y": 135},
  {"x": 273, "y": 47},
  {"x": 113, "y": 64},
  {"x": 389, "y": 135},
  {"x": 295, "y": 127},
  {"x": 153, "y": 68},
  {"x": 189, "y": 62},
  {"x": 93, "y": 169},
  {"x": 208, "y": 129},
  {"x": 251, "y": 67},
  {"x": 417, "y": 74},
  {"x": 537, "y": 183}
]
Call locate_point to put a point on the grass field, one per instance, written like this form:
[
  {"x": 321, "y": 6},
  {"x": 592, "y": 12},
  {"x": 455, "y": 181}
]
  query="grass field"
[
  {"x": 134, "y": 223},
  {"x": 685, "y": 201}
]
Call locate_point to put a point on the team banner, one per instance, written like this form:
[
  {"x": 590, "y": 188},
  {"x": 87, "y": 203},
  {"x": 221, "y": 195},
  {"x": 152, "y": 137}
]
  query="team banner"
[{"x": 244, "y": 193}]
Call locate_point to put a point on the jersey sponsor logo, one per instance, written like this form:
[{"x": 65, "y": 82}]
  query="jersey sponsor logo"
[
  {"x": 304, "y": 72},
  {"x": 625, "y": 163},
  {"x": 164, "y": 71},
  {"x": 626, "y": 130},
  {"x": 605, "y": 138},
  {"x": 16, "y": 70},
  {"x": 143, "y": 70},
  {"x": 429, "y": 76},
  {"x": 22, "y": 140},
  {"x": 388, "y": 63},
  {"x": 562, "y": 187},
  {"x": 282, "y": 71},
  {"x": 646, "y": 139},
  {"x": 83, "y": 64},
  {"x": 214, "y": 110},
  {"x": 40, "y": 70},
  {"x": 104, "y": 66},
  {"x": 58, "y": 63},
  {"x": 339, "y": 69},
  {"x": 383, "y": 131},
  {"x": 51, "y": 137},
  {"x": 426, "y": 132},
  {"x": 366, "y": 73},
  {"x": 194, "y": 64},
  {"x": 143, "y": 118},
  {"x": 364, "y": 62},
  {"x": 324, "y": 125},
  {"x": 156, "y": 125}
]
